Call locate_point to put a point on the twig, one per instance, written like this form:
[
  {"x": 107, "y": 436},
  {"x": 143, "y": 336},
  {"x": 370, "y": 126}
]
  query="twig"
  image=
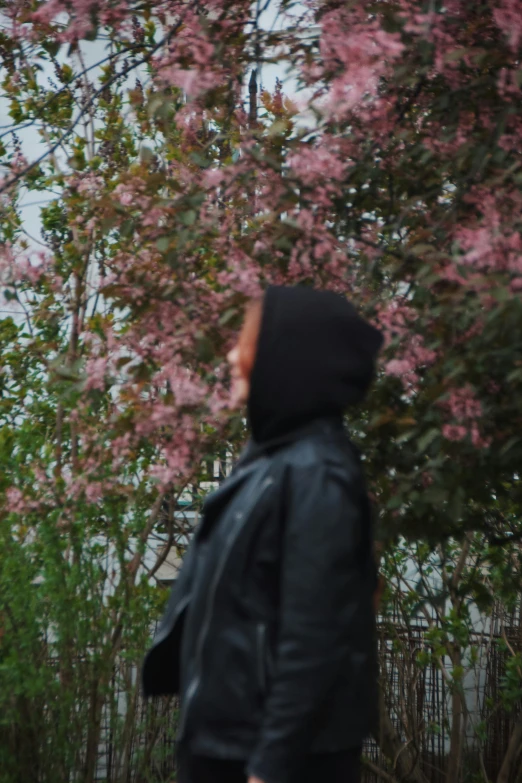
[
  {"x": 65, "y": 135},
  {"x": 47, "y": 103},
  {"x": 378, "y": 771}
]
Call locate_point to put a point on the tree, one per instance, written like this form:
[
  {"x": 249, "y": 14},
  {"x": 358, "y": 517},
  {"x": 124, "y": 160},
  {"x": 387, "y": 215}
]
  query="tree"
[{"x": 168, "y": 205}]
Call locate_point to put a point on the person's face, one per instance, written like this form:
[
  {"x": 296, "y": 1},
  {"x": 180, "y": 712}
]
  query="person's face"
[
  {"x": 242, "y": 356},
  {"x": 240, "y": 388}
]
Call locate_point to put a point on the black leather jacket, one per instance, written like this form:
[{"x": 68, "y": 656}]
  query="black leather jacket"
[{"x": 269, "y": 634}]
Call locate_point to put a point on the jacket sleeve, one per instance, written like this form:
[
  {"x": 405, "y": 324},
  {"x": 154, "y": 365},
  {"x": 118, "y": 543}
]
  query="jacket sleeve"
[
  {"x": 320, "y": 587},
  {"x": 160, "y": 669}
]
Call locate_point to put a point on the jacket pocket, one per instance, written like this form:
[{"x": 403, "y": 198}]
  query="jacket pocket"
[{"x": 264, "y": 662}]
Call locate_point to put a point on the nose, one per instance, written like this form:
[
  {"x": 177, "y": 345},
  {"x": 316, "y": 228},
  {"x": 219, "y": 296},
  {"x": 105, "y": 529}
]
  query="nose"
[{"x": 233, "y": 355}]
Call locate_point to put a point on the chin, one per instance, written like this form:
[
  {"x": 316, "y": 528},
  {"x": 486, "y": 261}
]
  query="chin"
[
  {"x": 238, "y": 396},
  {"x": 237, "y": 402}
]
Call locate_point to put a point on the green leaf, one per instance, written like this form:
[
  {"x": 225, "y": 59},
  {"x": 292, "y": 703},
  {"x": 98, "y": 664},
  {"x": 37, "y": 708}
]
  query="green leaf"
[
  {"x": 52, "y": 47},
  {"x": 188, "y": 218},
  {"x": 201, "y": 160},
  {"x": 163, "y": 244},
  {"x": 435, "y": 495},
  {"x": 107, "y": 223},
  {"x": 127, "y": 228},
  {"x": 227, "y": 316},
  {"x": 427, "y": 439},
  {"x": 509, "y": 445}
]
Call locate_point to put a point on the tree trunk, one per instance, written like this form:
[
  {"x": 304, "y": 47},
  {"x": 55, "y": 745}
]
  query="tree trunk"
[
  {"x": 252, "y": 100},
  {"x": 514, "y": 748},
  {"x": 93, "y": 731},
  {"x": 455, "y": 754},
  {"x": 406, "y": 764}
]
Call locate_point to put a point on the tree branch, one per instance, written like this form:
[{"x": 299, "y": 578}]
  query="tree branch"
[
  {"x": 378, "y": 771},
  {"x": 65, "y": 135},
  {"x": 39, "y": 114},
  {"x": 512, "y": 754}
]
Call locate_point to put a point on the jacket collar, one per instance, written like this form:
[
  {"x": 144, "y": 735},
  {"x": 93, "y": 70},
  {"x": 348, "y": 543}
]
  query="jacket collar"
[
  {"x": 229, "y": 486},
  {"x": 325, "y": 426},
  {"x": 255, "y": 458}
]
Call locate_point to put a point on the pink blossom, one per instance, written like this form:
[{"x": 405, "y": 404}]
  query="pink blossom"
[
  {"x": 93, "y": 491},
  {"x": 313, "y": 164},
  {"x": 187, "y": 389},
  {"x": 152, "y": 217},
  {"x": 80, "y": 21},
  {"x": 95, "y": 370},
  {"x": 489, "y": 241},
  {"x": 128, "y": 193},
  {"x": 26, "y": 270},
  {"x": 126, "y": 199},
  {"x": 90, "y": 184},
  {"x": 463, "y": 405},
  {"x": 7, "y": 261},
  {"x": 478, "y": 440},
  {"x": 15, "y": 500},
  {"x": 508, "y": 17},
  {"x": 213, "y": 178},
  {"x": 454, "y": 432},
  {"x": 120, "y": 445},
  {"x": 361, "y": 50},
  {"x": 193, "y": 82},
  {"x": 399, "y": 367}
]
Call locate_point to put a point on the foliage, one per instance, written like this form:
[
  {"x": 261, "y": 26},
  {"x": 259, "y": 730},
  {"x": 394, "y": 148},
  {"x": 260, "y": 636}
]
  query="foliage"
[
  {"x": 392, "y": 175},
  {"x": 451, "y": 637}
]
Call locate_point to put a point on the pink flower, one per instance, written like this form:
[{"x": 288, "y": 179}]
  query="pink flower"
[
  {"x": 398, "y": 367},
  {"x": 454, "y": 432},
  {"x": 25, "y": 270},
  {"x": 463, "y": 405},
  {"x": 213, "y": 178},
  {"x": 152, "y": 217},
  {"x": 15, "y": 500},
  {"x": 316, "y": 164},
  {"x": 95, "y": 370},
  {"x": 361, "y": 51},
  {"x": 128, "y": 192},
  {"x": 193, "y": 82},
  {"x": 508, "y": 17},
  {"x": 93, "y": 491},
  {"x": 478, "y": 440},
  {"x": 90, "y": 184}
]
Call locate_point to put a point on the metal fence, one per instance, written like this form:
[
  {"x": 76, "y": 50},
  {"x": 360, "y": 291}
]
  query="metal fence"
[{"x": 417, "y": 700}]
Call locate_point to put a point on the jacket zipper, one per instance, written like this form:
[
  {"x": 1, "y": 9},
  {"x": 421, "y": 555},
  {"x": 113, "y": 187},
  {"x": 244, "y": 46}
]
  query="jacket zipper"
[
  {"x": 261, "y": 656},
  {"x": 193, "y": 686}
]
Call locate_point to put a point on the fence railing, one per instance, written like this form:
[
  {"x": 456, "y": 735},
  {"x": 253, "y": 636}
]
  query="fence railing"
[{"x": 417, "y": 699}]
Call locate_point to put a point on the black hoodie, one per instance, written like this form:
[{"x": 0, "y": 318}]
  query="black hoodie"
[
  {"x": 315, "y": 357},
  {"x": 269, "y": 635}
]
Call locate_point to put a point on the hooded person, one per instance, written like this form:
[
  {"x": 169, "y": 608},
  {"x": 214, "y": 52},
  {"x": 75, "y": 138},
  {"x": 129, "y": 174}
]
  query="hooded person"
[{"x": 269, "y": 634}]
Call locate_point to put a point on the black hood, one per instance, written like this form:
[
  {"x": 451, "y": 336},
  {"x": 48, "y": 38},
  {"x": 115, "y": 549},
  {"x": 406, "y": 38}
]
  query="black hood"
[{"x": 315, "y": 357}]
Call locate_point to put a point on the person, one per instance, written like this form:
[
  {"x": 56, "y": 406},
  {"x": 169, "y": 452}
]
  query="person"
[{"x": 269, "y": 634}]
